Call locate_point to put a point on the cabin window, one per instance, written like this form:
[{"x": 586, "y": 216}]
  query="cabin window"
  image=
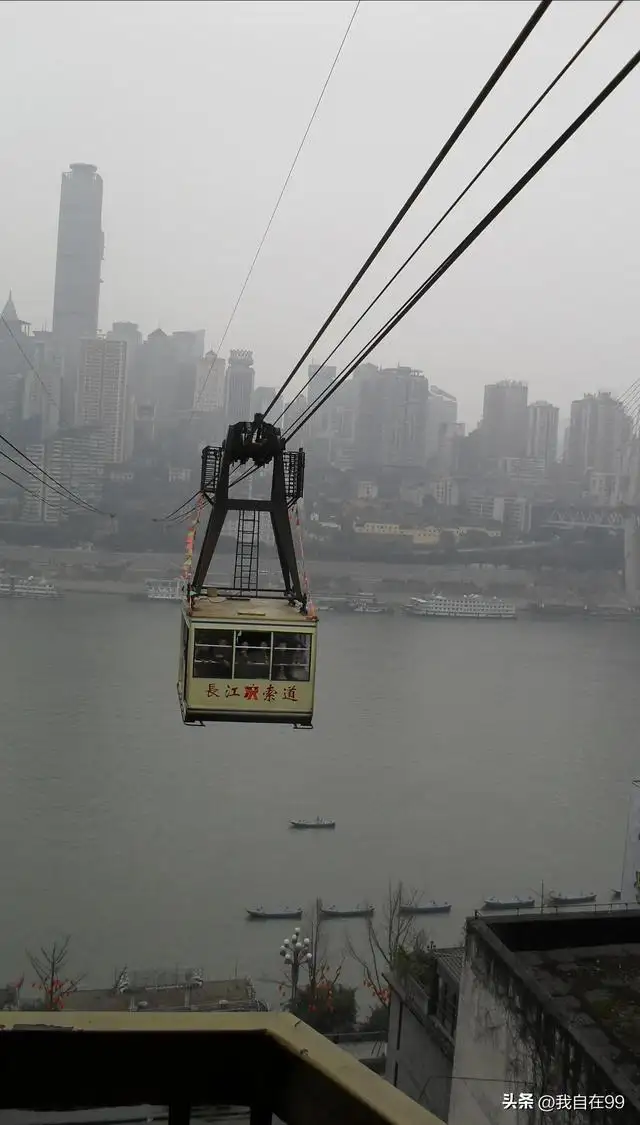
[
  {"x": 212, "y": 653},
  {"x": 291, "y": 656},
  {"x": 253, "y": 655}
]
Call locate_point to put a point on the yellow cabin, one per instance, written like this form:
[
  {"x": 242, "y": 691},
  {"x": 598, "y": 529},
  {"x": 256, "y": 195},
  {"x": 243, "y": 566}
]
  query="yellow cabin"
[{"x": 246, "y": 659}]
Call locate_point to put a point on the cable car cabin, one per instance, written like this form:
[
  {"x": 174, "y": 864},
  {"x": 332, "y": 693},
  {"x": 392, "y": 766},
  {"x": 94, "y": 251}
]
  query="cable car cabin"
[{"x": 246, "y": 660}]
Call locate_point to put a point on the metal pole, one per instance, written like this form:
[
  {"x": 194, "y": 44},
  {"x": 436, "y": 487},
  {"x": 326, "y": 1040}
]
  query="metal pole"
[{"x": 295, "y": 967}]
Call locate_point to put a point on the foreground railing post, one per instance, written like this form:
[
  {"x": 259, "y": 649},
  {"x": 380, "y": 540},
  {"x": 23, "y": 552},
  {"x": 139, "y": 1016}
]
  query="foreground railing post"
[
  {"x": 179, "y": 1113},
  {"x": 260, "y": 1115}
]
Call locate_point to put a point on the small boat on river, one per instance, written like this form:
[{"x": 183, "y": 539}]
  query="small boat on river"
[
  {"x": 319, "y": 822},
  {"x": 282, "y": 912},
  {"x": 431, "y": 907},
  {"x": 364, "y": 911},
  {"x": 577, "y": 899},
  {"x": 515, "y": 903}
]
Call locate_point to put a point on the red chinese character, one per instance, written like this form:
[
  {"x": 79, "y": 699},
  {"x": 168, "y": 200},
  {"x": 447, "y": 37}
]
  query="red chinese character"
[
  {"x": 251, "y": 691},
  {"x": 269, "y": 693},
  {"x": 290, "y": 693},
  {"x": 231, "y": 689},
  {"x": 212, "y": 690}
]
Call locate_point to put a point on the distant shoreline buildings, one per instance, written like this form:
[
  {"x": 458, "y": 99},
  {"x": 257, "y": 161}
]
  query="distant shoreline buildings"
[{"x": 119, "y": 420}]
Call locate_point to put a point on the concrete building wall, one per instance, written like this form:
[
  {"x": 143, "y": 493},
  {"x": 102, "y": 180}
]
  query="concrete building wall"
[
  {"x": 484, "y": 1050},
  {"x": 415, "y": 1063}
]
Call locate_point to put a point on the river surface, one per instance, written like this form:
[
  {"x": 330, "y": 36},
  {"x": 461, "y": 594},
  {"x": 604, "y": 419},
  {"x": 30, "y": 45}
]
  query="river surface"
[{"x": 465, "y": 758}]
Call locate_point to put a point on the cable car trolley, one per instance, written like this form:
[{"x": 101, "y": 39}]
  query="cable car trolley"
[{"x": 248, "y": 653}]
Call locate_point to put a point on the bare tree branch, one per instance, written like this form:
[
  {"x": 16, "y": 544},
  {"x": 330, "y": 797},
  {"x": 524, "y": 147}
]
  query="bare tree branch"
[
  {"x": 388, "y": 943},
  {"x": 48, "y": 968}
]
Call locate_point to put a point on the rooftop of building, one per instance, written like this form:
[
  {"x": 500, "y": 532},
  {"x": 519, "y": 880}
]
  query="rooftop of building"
[
  {"x": 585, "y": 969},
  {"x": 451, "y": 960},
  {"x": 211, "y": 995}
]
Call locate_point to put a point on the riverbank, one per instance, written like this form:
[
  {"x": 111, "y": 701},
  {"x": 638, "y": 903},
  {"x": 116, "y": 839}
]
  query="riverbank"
[{"x": 107, "y": 572}]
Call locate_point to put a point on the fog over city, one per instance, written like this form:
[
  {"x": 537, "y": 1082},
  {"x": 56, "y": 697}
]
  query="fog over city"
[{"x": 192, "y": 113}]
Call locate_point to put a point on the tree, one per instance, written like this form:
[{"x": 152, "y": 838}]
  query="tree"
[
  {"x": 49, "y": 967},
  {"x": 323, "y": 1003},
  {"x": 390, "y": 945}
]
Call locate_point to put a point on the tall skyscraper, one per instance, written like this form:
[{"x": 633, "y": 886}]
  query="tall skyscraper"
[
  {"x": 79, "y": 256},
  {"x": 391, "y": 419},
  {"x": 239, "y": 383},
  {"x": 442, "y": 410},
  {"x": 102, "y": 393},
  {"x": 504, "y": 420},
  {"x": 260, "y": 400},
  {"x": 208, "y": 397},
  {"x": 598, "y": 432},
  {"x": 542, "y": 439}
]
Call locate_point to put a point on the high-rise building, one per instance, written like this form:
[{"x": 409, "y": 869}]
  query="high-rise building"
[
  {"x": 504, "y": 420},
  {"x": 598, "y": 433},
  {"x": 542, "y": 439},
  {"x": 260, "y": 400},
  {"x": 239, "y": 383},
  {"x": 102, "y": 393},
  {"x": 132, "y": 336},
  {"x": 208, "y": 396},
  {"x": 16, "y": 343},
  {"x": 391, "y": 419},
  {"x": 442, "y": 410},
  {"x": 16, "y": 355},
  {"x": 79, "y": 257},
  {"x": 42, "y": 388},
  {"x": 76, "y": 459}
]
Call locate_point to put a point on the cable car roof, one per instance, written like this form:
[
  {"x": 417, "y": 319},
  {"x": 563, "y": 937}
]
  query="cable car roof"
[{"x": 264, "y": 611}]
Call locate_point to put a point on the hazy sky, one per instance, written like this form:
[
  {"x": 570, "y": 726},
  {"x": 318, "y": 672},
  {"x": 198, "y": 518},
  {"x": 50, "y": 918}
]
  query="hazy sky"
[{"x": 193, "y": 112}]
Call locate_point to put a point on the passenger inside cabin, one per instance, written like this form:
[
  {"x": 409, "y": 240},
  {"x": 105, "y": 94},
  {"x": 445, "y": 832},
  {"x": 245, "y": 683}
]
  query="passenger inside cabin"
[
  {"x": 299, "y": 669},
  {"x": 242, "y": 670},
  {"x": 222, "y": 656},
  {"x": 281, "y": 660}
]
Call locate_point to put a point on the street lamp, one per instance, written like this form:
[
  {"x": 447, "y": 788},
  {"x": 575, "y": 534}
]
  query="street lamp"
[{"x": 296, "y": 952}]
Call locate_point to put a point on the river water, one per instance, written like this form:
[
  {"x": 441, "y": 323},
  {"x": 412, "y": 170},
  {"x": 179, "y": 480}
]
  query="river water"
[{"x": 465, "y": 758}]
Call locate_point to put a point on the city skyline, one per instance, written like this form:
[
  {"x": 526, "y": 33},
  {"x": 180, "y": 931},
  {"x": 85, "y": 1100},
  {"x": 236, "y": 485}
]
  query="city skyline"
[{"x": 533, "y": 301}]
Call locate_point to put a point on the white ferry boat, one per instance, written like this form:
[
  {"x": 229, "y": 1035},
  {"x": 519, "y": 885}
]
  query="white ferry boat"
[
  {"x": 12, "y": 586},
  {"x": 463, "y": 605},
  {"x": 165, "y": 590}
]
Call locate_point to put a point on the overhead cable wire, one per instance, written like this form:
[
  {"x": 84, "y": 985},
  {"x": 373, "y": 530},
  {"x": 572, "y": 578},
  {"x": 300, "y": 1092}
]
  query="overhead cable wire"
[
  {"x": 30, "y": 473},
  {"x": 460, "y": 197},
  {"x": 277, "y": 205},
  {"x": 503, "y": 65},
  {"x": 48, "y": 477},
  {"x": 20, "y": 485},
  {"x": 460, "y": 249},
  {"x": 176, "y": 511},
  {"x": 69, "y": 493}
]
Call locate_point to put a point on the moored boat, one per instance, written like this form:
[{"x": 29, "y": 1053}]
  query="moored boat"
[
  {"x": 282, "y": 912},
  {"x": 12, "y": 586},
  {"x": 464, "y": 605},
  {"x": 430, "y": 907},
  {"x": 319, "y": 822},
  {"x": 364, "y": 911},
  {"x": 165, "y": 590},
  {"x": 555, "y": 899},
  {"x": 514, "y": 903}
]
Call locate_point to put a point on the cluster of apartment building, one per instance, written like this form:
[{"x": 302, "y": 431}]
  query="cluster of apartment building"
[{"x": 96, "y": 410}]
